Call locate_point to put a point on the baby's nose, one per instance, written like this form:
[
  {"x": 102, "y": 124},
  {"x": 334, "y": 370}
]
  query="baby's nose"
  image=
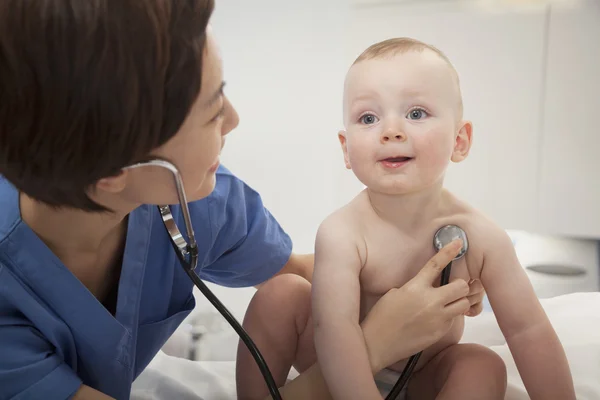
[{"x": 395, "y": 136}]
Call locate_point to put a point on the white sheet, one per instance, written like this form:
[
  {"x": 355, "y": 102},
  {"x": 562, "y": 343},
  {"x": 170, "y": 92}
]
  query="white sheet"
[{"x": 576, "y": 318}]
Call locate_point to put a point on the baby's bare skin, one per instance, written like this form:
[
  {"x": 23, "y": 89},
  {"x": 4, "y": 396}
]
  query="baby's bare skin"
[
  {"x": 393, "y": 256},
  {"x": 386, "y": 253},
  {"x": 404, "y": 124}
]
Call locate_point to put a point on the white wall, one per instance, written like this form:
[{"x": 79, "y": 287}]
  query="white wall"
[
  {"x": 569, "y": 187},
  {"x": 284, "y": 68},
  {"x": 284, "y": 64},
  {"x": 499, "y": 59}
]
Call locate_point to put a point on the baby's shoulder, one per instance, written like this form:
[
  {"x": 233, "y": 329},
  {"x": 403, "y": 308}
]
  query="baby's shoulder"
[
  {"x": 351, "y": 215},
  {"x": 483, "y": 233},
  {"x": 344, "y": 226}
]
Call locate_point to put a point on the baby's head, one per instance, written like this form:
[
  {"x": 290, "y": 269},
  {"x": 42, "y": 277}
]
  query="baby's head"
[{"x": 403, "y": 117}]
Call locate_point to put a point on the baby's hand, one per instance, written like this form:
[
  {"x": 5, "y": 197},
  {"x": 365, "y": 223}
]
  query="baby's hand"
[{"x": 476, "y": 294}]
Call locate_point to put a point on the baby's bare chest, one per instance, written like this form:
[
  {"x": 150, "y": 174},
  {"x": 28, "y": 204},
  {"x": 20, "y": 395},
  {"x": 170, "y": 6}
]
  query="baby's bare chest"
[{"x": 393, "y": 260}]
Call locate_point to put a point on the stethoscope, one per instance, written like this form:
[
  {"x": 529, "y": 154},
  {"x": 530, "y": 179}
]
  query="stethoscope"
[
  {"x": 442, "y": 237},
  {"x": 187, "y": 253}
]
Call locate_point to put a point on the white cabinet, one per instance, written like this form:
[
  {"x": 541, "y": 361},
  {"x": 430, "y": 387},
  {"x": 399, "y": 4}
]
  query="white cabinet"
[
  {"x": 499, "y": 57},
  {"x": 569, "y": 194}
]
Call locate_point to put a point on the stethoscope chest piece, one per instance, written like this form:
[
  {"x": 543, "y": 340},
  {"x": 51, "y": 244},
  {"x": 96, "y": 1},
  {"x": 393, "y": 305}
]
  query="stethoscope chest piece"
[{"x": 447, "y": 234}]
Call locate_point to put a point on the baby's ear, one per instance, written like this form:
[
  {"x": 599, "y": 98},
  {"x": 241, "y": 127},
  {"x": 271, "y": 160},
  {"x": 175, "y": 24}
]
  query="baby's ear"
[
  {"x": 342, "y": 138},
  {"x": 462, "y": 142}
]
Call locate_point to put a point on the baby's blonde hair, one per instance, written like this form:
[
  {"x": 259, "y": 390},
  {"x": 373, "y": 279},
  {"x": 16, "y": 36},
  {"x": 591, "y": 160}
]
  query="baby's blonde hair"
[{"x": 400, "y": 45}]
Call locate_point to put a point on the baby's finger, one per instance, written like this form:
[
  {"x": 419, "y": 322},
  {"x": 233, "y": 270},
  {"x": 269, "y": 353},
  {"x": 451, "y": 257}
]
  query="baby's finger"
[
  {"x": 475, "y": 310},
  {"x": 475, "y": 286},
  {"x": 475, "y": 298}
]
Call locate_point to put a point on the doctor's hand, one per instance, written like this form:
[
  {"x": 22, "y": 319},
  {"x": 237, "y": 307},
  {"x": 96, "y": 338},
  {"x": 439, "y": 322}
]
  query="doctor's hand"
[{"x": 409, "y": 319}]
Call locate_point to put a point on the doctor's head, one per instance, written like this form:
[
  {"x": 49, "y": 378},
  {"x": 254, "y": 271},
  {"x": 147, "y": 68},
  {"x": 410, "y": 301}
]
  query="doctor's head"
[{"x": 90, "y": 87}]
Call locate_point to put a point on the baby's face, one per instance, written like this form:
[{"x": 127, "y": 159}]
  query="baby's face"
[{"x": 402, "y": 119}]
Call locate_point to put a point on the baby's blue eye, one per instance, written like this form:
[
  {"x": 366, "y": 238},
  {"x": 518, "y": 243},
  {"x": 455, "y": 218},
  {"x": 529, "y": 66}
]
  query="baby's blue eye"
[
  {"x": 417, "y": 114},
  {"x": 368, "y": 119}
]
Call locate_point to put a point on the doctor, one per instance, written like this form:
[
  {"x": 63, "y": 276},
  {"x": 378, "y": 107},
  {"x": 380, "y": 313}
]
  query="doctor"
[{"x": 90, "y": 288}]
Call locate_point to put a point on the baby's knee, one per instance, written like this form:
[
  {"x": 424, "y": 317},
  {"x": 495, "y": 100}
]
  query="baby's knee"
[
  {"x": 485, "y": 363},
  {"x": 491, "y": 361},
  {"x": 288, "y": 287},
  {"x": 285, "y": 293}
]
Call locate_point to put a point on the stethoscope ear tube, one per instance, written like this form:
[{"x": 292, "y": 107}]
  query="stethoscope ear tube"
[
  {"x": 189, "y": 267},
  {"x": 189, "y": 249}
]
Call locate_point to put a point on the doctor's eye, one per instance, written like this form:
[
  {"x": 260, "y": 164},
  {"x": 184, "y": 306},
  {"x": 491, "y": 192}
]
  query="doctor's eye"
[
  {"x": 417, "y": 114},
  {"x": 368, "y": 119},
  {"x": 219, "y": 114}
]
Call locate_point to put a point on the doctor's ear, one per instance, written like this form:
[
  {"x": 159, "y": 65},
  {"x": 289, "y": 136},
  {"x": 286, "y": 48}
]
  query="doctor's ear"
[
  {"x": 113, "y": 184},
  {"x": 342, "y": 138},
  {"x": 462, "y": 142}
]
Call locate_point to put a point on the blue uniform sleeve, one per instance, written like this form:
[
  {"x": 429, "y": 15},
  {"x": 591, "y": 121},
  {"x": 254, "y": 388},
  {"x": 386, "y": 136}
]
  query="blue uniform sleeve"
[
  {"x": 29, "y": 368},
  {"x": 248, "y": 246}
]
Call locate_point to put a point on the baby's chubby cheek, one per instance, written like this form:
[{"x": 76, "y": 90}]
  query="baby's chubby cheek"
[
  {"x": 359, "y": 154},
  {"x": 434, "y": 159}
]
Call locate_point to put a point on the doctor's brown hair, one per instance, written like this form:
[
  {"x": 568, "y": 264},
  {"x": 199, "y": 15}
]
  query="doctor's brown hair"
[{"x": 90, "y": 86}]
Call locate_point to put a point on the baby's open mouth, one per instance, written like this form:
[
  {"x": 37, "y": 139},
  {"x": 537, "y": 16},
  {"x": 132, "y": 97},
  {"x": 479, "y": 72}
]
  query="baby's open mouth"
[{"x": 397, "y": 159}]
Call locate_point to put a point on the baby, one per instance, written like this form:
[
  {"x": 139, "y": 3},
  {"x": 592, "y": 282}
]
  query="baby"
[{"x": 403, "y": 126}]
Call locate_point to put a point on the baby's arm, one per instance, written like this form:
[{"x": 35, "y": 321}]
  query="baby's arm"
[
  {"x": 339, "y": 341},
  {"x": 535, "y": 347}
]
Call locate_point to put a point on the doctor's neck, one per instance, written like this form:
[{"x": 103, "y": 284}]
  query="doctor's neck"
[{"x": 67, "y": 230}]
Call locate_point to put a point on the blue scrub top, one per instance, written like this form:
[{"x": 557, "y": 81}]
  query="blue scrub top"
[{"x": 55, "y": 335}]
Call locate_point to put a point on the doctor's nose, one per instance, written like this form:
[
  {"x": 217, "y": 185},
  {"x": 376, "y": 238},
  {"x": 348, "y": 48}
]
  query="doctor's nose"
[
  {"x": 391, "y": 135},
  {"x": 231, "y": 117}
]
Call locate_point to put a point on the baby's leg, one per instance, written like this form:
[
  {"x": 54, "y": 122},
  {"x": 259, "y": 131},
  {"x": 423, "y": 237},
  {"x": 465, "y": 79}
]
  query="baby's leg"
[
  {"x": 461, "y": 371},
  {"x": 279, "y": 322}
]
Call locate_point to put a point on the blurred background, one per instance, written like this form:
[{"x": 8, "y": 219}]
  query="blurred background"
[{"x": 530, "y": 76}]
